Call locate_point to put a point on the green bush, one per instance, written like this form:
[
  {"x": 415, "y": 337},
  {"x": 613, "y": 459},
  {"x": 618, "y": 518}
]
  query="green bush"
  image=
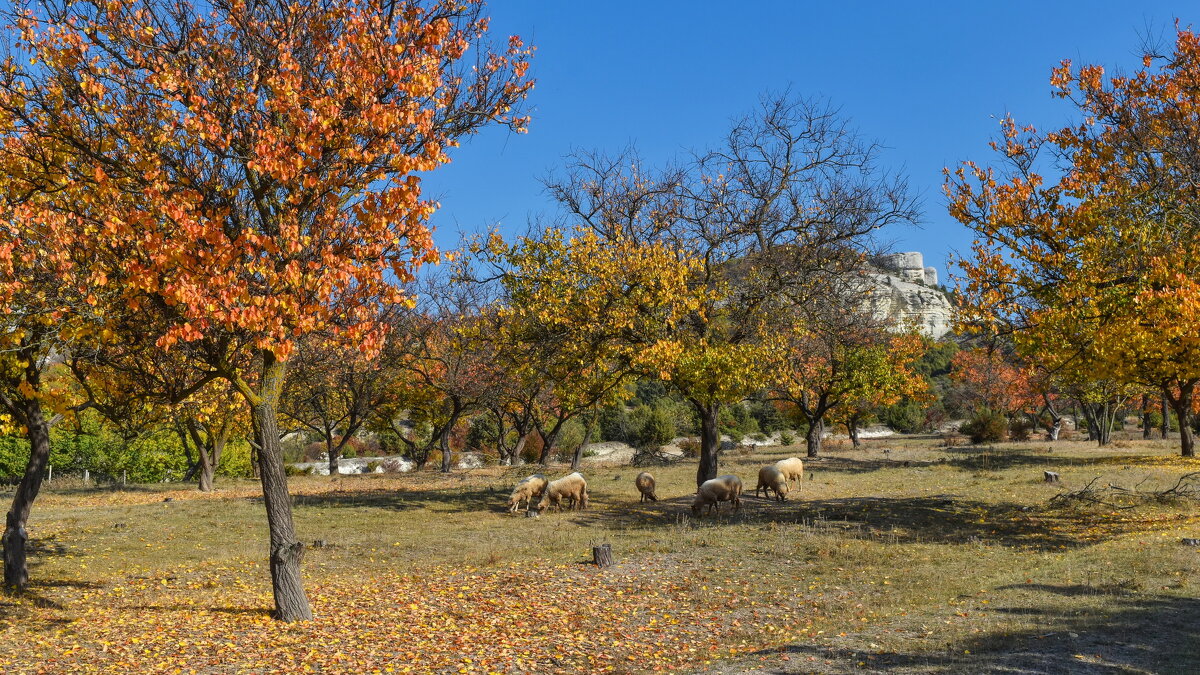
[
  {"x": 1020, "y": 430},
  {"x": 986, "y": 427},
  {"x": 906, "y": 416},
  {"x": 615, "y": 424},
  {"x": 786, "y": 437}
]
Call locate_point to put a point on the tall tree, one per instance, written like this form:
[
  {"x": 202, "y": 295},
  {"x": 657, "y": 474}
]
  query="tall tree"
[
  {"x": 252, "y": 171},
  {"x": 788, "y": 201},
  {"x": 1083, "y": 231},
  {"x": 839, "y": 360},
  {"x": 584, "y": 316}
]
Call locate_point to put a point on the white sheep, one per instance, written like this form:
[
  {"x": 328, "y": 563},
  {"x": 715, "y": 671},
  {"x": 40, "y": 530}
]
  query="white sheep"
[
  {"x": 720, "y": 489},
  {"x": 645, "y": 485},
  {"x": 530, "y": 488},
  {"x": 572, "y": 488},
  {"x": 793, "y": 469},
  {"x": 770, "y": 478}
]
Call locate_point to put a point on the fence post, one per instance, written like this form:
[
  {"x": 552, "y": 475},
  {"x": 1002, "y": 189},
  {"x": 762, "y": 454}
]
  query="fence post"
[
  {"x": 86, "y": 477},
  {"x": 122, "y": 477},
  {"x": 49, "y": 473}
]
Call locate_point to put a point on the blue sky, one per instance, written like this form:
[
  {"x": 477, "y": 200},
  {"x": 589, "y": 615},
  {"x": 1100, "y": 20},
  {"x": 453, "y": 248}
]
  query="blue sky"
[{"x": 926, "y": 79}]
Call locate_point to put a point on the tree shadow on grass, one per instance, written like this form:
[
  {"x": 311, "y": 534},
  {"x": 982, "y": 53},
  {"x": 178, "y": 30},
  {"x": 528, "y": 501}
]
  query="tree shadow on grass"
[
  {"x": 998, "y": 459},
  {"x": 454, "y": 500},
  {"x": 1142, "y": 634},
  {"x": 934, "y": 519}
]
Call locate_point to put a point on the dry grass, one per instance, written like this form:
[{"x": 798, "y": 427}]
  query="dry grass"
[{"x": 904, "y": 555}]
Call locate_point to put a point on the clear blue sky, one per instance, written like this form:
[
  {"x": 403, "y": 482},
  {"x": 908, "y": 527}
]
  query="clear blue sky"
[{"x": 926, "y": 79}]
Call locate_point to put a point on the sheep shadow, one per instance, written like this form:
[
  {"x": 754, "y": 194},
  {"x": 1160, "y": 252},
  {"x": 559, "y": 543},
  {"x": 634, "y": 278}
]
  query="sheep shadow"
[{"x": 1144, "y": 634}]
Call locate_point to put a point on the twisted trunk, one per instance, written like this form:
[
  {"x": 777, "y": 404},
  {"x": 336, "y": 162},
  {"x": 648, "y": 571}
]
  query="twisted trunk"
[{"x": 15, "y": 539}]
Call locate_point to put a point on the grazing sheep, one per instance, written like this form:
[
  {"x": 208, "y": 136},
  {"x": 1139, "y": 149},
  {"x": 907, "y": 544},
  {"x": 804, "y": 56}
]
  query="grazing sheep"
[
  {"x": 530, "y": 488},
  {"x": 717, "y": 490},
  {"x": 792, "y": 469},
  {"x": 771, "y": 478},
  {"x": 572, "y": 488},
  {"x": 645, "y": 485}
]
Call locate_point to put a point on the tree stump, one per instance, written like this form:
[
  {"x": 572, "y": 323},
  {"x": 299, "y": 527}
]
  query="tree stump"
[
  {"x": 602, "y": 555},
  {"x": 1051, "y": 476}
]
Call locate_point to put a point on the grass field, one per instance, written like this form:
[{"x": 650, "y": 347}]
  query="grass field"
[{"x": 904, "y": 556}]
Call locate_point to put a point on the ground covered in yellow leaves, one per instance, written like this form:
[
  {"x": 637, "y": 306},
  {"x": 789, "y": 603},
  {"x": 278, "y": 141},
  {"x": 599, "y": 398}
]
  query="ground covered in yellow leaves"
[{"x": 920, "y": 559}]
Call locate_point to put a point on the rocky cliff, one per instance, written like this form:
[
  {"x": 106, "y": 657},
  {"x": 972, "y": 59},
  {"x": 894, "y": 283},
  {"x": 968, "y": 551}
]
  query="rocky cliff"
[{"x": 904, "y": 289}]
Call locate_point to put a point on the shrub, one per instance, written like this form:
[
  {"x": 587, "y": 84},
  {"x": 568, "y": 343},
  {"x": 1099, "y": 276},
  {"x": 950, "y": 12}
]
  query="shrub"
[
  {"x": 760, "y": 437},
  {"x": 615, "y": 424},
  {"x": 690, "y": 447},
  {"x": 533, "y": 448},
  {"x": 786, "y": 437},
  {"x": 986, "y": 427},
  {"x": 1020, "y": 430},
  {"x": 651, "y": 426},
  {"x": 372, "y": 467},
  {"x": 907, "y": 416}
]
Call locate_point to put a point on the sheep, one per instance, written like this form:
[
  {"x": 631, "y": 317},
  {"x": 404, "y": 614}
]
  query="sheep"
[
  {"x": 645, "y": 485},
  {"x": 530, "y": 488},
  {"x": 571, "y": 487},
  {"x": 720, "y": 489},
  {"x": 792, "y": 469},
  {"x": 771, "y": 478}
]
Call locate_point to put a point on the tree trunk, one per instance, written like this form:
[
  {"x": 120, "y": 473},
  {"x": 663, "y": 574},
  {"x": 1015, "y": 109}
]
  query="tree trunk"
[
  {"x": 812, "y": 439},
  {"x": 587, "y": 438},
  {"x": 1056, "y": 420},
  {"x": 516, "y": 453},
  {"x": 710, "y": 442},
  {"x": 1146, "y": 431},
  {"x": 207, "y": 470},
  {"x": 16, "y": 571},
  {"x": 852, "y": 428},
  {"x": 549, "y": 441},
  {"x": 1099, "y": 422},
  {"x": 1166, "y": 418},
  {"x": 444, "y": 441},
  {"x": 332, "y": 453},
  {"x": 1182, "y": 404},
  {"x": 291, "y": 603}
]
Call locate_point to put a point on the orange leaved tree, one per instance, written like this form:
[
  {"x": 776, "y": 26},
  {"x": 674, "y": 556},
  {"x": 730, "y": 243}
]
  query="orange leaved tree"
[
  {"x": 252, "y": 171},
  {"x": 1087, "y": 235}
]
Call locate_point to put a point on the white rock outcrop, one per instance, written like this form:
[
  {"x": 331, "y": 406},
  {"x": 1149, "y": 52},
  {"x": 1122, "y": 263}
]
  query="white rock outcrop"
[{"x": 904, "y": 289}]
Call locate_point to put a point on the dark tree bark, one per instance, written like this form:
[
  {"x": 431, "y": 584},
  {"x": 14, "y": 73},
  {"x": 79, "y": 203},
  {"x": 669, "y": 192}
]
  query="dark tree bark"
[
  {"x": 587, "y": 438},
  {"x": 1181, "y": 403},
  {"x": 1056, "y": 419},
  {"x": 710, "y": 441},
  {"x": 1166, "y": 417},
  {"x": 1146, "y": 430},
  {"x": 16, "y": 570},
  {"x": 550, "y": 440},
  {"x": 852, "y": 429},
  {"x": 291, "y": 603},
  {"x": 444, "y": 440},
  {"x": 332, "y": 453},
  {"x": 812, "y": 439}
]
